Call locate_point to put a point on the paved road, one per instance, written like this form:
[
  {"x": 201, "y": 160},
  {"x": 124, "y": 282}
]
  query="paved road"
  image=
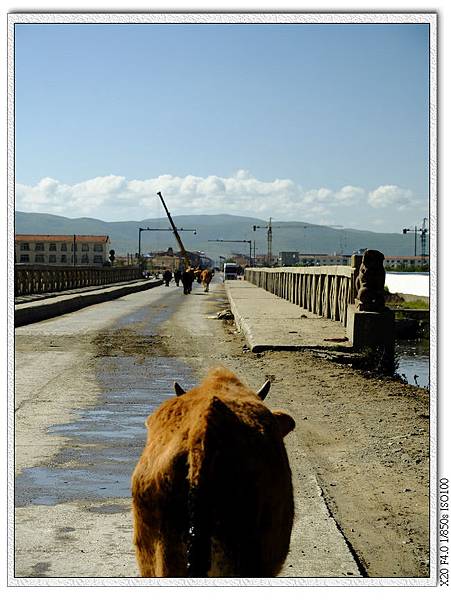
[{"x": 84, "y": 384}]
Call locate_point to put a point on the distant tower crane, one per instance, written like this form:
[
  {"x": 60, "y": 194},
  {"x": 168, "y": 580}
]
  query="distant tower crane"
[
  {"x": 422, "y": 231},
  {"x": 269, "y": 227}
]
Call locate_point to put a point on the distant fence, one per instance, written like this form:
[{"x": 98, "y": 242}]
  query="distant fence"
[
  {"x": 325, "y": 291},
  {"x": 46, "y": 279}
]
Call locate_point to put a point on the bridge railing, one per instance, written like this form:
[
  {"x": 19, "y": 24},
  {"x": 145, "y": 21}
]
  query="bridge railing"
[
  {"x": 325, "y": 291},
  {"x": 31, "y": 279}
]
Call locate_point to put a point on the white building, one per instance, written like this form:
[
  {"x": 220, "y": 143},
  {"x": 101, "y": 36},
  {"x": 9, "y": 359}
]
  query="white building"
[
  {"x": 405, "y": 261},
  {"x": 61, "y": 250},
  {"x": 312, "y": 260}
]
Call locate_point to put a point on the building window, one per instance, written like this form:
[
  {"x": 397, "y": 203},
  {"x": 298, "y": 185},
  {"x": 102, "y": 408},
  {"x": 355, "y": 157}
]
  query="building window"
[
  {"x": 39, "y": 258},
  {"x": 64, "y": 247},
  {"x": 24, "y": 258},
  {"x": 25, "y": 246},
  {"x": 85, "y": 247},
  {"x": 84, "y": 259},
  {"x": 52, "y": 258},
  {"x": 98, "y": 258},
  {"x": 52, "y": 248},
  {"x": 98, "y": 248},
  {"x": 72, "y": 247},
  {"x": 39, "y": 247},
  {"x": 63, "y": 258}
]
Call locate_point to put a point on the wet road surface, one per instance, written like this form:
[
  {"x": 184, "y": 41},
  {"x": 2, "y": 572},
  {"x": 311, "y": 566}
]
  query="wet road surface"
[
  {"x": 85, "y": 382},
  {"x": 95, "y": 447}
]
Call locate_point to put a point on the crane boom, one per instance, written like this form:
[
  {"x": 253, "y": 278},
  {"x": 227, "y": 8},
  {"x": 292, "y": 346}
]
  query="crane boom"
[{"x": 176, "y": 233}]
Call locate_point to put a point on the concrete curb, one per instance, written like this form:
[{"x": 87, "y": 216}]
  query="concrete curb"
[{"x": 39, "y": 310}]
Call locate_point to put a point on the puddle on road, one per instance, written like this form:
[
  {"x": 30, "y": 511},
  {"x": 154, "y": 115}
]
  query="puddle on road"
[
  {"x": 147, "y": 319},
  {"x": 106, "y": 439}
]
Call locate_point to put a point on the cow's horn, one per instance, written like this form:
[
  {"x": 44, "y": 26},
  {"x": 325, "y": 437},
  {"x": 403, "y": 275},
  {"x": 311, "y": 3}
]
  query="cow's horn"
[
  {"x": 263, "y": 391},
  {"x": 178, "y": 389}
]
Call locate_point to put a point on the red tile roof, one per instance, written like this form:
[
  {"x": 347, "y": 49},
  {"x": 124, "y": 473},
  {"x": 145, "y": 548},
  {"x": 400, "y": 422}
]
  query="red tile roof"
[
  {"x": 418, "y": 257},
  {"x": 61, "y": 238}
]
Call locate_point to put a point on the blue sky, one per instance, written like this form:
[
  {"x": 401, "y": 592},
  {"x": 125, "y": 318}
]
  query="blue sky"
[{"x": 321, "y": 123}]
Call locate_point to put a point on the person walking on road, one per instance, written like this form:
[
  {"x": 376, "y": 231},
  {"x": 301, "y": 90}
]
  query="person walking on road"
[
  {"x": 177, "y": 277},
  {"x": 167, "y": 276},
  {"x": 187, "y": 280}
]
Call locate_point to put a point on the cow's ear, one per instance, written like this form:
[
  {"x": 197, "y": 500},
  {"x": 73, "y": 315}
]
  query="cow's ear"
[
  {"x": 286, "y": 423},
  {"x": 178, "y": 389},
  {"x": 146, "y": 422},
  {"x": 263, "y": 391}
]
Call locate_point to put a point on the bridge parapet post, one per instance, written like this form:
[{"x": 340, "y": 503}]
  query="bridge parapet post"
[{"x": 370, "y": 323}]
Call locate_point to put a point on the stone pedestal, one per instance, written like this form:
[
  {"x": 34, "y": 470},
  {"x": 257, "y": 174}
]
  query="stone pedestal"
[{"x": 371, "y": 329}]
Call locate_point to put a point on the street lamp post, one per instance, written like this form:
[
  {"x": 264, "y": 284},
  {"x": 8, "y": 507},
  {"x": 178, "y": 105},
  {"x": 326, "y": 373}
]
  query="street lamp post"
[
  {"x": 239, "y": 241},
  {"x": 156, "y": 229}
]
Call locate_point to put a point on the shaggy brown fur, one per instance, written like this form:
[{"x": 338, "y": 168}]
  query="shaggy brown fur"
[
  {"x": 212, "y": 492},
  {"x": 206, "y": 276}
]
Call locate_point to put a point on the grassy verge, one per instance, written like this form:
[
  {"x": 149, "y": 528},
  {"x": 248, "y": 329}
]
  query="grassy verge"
[{"x": 398, "y": 301}]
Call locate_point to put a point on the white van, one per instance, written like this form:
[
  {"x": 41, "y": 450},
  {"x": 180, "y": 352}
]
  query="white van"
[{"x": 230, "y": 271}]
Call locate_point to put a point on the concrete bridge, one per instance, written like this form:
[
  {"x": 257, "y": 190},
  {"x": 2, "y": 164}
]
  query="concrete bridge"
[
  {"x": 85, "y": 380},
  {"x": 330, "y": 293}
]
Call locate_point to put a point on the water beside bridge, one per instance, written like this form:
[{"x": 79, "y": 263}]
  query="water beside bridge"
[
  {"x": 413, "y": 355},
  {"x": 416, "y": 284},
  {"x": 414, "y": 363}
]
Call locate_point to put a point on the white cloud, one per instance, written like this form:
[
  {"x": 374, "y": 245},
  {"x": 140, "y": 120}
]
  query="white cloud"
[
  {"x": 391, "y": 195},
  {"x": 313, "y": 197},
  {"x": 350, "y": 195},
  {"x": 114, "y": 198}
]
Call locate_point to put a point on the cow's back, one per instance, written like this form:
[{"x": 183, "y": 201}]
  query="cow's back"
[
  {"x": 245, "y": 480},
  {"x": 212, "y": 491}
]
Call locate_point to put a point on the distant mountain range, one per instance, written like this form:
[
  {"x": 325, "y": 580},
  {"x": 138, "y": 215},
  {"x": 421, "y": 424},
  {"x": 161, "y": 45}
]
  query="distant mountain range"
[{"x": 287, "y": 236}]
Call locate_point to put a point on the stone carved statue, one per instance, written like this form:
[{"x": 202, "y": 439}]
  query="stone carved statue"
[{"x": 370, "y": 282}]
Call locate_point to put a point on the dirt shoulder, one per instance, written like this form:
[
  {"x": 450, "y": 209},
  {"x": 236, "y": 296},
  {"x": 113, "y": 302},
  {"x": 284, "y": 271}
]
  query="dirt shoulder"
[{"x": 367, "y": 439}]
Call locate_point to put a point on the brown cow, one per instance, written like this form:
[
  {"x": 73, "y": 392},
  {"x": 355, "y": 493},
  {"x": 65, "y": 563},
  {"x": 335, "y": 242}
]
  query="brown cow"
[
  {"x": 212, "y": 492},
  {"x": 206, "y": 276}
]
